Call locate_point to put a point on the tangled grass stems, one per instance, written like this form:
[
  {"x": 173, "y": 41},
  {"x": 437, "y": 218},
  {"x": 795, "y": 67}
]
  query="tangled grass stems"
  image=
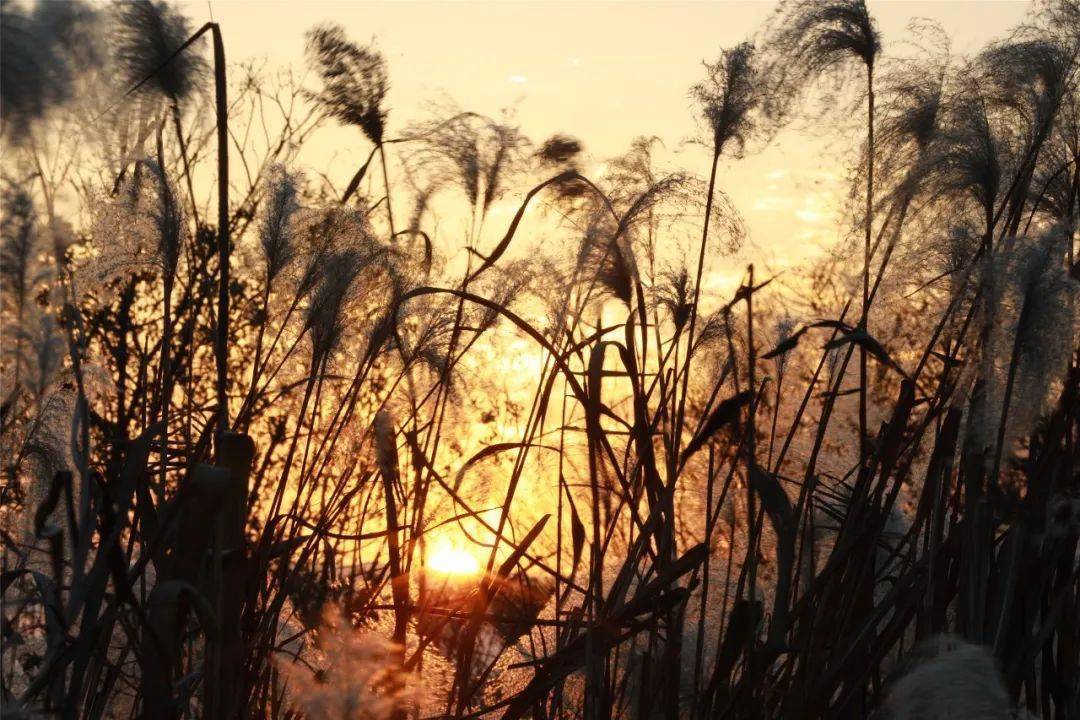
[{"x": 683, "y": 509}]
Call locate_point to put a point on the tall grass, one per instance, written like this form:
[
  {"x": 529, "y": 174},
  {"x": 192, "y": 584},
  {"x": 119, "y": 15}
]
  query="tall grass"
[{"x": 271, "y": 467}]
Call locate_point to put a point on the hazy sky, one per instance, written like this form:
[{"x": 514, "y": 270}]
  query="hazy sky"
[{"x": 604, "y": 72}]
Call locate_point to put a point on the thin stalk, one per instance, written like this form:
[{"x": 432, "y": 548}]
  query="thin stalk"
[
  {"x": 187, "y": 166},
  {"x": 677, "y": 441},
  {"x": 386, "y": 185},
  {"x": 221, "y": 346},
  {"x": 864, "y": 320}
]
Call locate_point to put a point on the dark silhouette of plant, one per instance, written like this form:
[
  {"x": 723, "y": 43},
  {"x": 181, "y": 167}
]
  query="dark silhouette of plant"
[
  {"x": 355, "y": 84},
  {"x": 478, "y": 154},
  {"x": 559, "y": 150},
  {"x": 813, "y": 39},
  {"x": 38, "y": 62},
  {"x": 354, "y": 79},
  {"x": 658, "y": 523},
  {"x": 148, "y": 35}
]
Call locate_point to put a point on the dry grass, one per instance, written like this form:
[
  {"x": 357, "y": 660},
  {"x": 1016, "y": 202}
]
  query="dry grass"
[{"x": 244, "y": 451}]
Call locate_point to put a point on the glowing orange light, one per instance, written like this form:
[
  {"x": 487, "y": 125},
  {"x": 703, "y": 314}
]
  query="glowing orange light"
[{"x": 450, "y": 560}]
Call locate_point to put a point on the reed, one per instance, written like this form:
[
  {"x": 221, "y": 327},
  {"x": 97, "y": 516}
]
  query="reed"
[{"x": 262, "y": 463}]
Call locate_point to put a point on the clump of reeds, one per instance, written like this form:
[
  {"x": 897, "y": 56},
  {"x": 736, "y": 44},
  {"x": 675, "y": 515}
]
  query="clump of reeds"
[{"x": 657, "y": 478}]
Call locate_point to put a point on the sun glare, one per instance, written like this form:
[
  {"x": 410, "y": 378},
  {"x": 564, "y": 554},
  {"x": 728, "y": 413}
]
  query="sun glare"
[{"x": 451, "y": 560}]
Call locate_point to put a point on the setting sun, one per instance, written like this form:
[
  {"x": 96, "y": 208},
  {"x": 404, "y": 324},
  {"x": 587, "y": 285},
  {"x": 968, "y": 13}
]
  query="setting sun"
[{"x": 451, "y": 560}]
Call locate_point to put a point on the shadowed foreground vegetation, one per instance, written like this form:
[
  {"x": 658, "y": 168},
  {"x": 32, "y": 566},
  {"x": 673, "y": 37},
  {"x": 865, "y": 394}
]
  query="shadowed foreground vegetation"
[{"x": 273, "y": 448}]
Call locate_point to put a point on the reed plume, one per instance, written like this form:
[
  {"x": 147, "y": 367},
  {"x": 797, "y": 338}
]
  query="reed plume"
[
  {"x": 355, "y": 80},
  {"x": 813, "y": 39},
  {"x": 647, "y": 513},
  {"x": 729, "y": 96},
  {"x": 277, "y": 231},
  {"x": 329, "y": 302},
  {"x": 146, "y": 37},
  {"x": 37, "y": 67},
  {"x": 1035, "y": 308},
  {"x": 355, "y": 84},
  {"x": 356, "y": 676},
  {"x": 559, "y": 150},
  {"x": 479, "y": 154}
]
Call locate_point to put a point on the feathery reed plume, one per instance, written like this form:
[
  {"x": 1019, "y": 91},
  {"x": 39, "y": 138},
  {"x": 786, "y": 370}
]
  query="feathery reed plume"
[
  {"x": 609, "y": 258},
  {"x": 507, "y": 144},
  {"x": 559, "y": 150},
  {"x": 1036, "y": 305},
  {"x": 1051, "y": 194},
  {"x": 728, "y": 96},
  {"x": 478, "y": 153},
  {"x": 422, "y": 197},
  {"x": 276, "y": 231},
  {"x": 355, "y": 84},
  {"x": 36, "y": 70},
  {"x": 912, "y": 112},
  {"x": 167, "y": 216},
  {"x": 967, "y": 162},
  {"x": 330, "y": 299},
  {"x": 953, "y": 253},
  {"x": 318, "y": 238},
  {"x": 321, "y": 232},
  {"x": 1030, "y": 76},
  {"x": 354, "y": 80},
  {"x": 785, "y": 332},
  {"x": 632, "y": 172},
  {"x": 1027, "y": 79},
  {"x": 1046, "y": 325},
  {"x": 812, "y": 38},
  {"x": 144, "y": 225},
  {"x": 560, "y": 153},
  {"x": 815, "y": 38},
  {"x": 504, "y": 287},
  {"x": 948, "y": 678},
  {"x": 914, "y": 117},
  {"x": 146, "y": 34},
  {"x": 358, "y": 677},
  {"x": 673, "y": 293},
  {"x": 726, "y": 99},
  {"x": 46, "y": 449},
  {"x": 45, "y": 350}
]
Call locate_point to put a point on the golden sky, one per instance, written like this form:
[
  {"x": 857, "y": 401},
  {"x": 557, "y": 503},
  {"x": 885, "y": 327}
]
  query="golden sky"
[{"x": 604, "y": 72}]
